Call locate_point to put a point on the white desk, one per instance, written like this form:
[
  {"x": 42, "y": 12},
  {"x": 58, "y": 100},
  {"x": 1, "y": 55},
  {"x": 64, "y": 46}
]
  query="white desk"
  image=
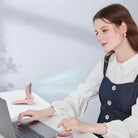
[{"x": 38, "y": 104}]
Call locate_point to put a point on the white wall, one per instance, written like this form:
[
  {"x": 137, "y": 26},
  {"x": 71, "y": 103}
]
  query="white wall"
[{"x": 52, "y": 44}]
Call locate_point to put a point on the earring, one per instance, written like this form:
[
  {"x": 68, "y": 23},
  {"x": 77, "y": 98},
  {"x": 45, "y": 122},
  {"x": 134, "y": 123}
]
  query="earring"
[{"x": 125, "y": 34}]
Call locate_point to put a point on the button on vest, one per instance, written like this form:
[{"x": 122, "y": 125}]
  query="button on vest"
[
  {"x": 113, "y": 87},
  {"x": 109, "y": 102},
  {"x": 107, "y": 117}
]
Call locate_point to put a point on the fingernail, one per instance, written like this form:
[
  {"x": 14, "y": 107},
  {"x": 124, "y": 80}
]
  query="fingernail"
[{"x": 65, "y": 130}]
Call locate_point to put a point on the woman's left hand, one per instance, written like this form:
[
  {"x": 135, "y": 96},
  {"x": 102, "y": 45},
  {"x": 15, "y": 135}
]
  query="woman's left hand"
[{"x": 73, "y": 123}]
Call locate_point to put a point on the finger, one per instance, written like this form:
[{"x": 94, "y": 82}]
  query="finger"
[
  {"x": 66, "y": 127},
  {"x": 71, "y": 124},
  {"x": 30, "y": 119},
  {"x": 21, "y": 115},
  {"x": 63, "y": 121},
  {"x": 66, "y": 130}
]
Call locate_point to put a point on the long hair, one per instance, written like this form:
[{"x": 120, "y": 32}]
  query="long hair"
[{"x": 117, "y": 14}]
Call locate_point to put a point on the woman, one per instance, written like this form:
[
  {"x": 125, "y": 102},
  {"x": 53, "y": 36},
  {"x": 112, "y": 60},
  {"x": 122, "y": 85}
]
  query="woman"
[{"x": 114, "y": 78}]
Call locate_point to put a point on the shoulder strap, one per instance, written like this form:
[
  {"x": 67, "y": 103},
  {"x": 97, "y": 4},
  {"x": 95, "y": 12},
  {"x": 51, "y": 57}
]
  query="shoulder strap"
[
  {"x": 132, "y": 90},
  {"x": 136, "y": 80},
  {"x": 106, "y": 64}
]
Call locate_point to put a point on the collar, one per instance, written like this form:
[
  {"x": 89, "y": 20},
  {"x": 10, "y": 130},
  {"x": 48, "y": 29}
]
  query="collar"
[{"x": 127, "y": 66}]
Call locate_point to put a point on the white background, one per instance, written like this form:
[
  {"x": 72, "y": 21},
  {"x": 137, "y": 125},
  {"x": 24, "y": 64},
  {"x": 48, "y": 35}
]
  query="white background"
[{"x": 52, "y": 44}]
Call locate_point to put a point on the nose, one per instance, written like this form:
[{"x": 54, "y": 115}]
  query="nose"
[{"x": 99, "y": 37}]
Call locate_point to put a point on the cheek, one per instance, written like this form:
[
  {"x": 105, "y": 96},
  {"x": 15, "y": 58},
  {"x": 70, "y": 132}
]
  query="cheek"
[
  {"x": 118, "y": 38},
  {"x": 109, "y": 36},
  {"x": 114, "y": 37}
]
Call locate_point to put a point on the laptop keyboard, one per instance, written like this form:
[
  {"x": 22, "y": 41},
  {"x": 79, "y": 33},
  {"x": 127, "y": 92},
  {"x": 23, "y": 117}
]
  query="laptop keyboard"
[{"x": 23, "y": 131}]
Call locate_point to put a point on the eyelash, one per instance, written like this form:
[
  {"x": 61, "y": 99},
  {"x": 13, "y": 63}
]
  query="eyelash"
[{"x": 105, "y": 30}]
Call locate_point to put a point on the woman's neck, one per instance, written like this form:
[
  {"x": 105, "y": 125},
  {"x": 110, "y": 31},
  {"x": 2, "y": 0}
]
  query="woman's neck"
[{"x": 124, "y": 52}]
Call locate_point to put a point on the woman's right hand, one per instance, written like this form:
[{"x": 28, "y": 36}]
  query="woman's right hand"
[{"x": 36, "y": 114}]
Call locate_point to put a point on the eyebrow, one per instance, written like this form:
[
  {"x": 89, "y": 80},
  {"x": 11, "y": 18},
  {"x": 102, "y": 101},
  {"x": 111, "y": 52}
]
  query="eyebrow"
[{"x": 101, "y": 28}]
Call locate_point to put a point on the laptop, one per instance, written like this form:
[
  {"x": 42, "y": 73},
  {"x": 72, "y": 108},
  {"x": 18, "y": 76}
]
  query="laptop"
[{"x": 10, "y": 129}]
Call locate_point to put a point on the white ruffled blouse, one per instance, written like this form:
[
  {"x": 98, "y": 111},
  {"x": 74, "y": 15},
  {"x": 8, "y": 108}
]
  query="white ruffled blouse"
[{"x": 75, "y": 104}]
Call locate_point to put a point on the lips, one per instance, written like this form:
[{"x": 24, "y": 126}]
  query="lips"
[{"x": 103, "y": 44}]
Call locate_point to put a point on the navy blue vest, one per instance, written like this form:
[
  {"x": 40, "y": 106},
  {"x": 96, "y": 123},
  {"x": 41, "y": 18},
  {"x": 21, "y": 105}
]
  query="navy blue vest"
[{"x": 116, "y": 99}]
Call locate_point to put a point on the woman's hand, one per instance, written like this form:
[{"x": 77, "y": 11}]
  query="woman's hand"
[
  {"x": 36, "y": 114},
  {"x": 73, "y": 123}
]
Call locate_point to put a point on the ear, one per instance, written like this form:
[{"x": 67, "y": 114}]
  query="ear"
[{"x": 123, "y": 27}]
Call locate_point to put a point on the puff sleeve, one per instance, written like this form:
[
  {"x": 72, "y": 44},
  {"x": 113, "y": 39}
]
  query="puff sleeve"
[{"x": 75, "y": 104}]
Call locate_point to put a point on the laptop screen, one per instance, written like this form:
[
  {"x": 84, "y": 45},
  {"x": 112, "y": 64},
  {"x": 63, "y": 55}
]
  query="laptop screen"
[{"x": 6, "y": 128}]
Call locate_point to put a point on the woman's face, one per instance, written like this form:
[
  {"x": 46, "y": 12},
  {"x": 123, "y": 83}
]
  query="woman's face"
[{"x": 108, "y": 35}]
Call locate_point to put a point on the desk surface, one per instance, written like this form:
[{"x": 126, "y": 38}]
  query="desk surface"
[{"x": 38, "y": 104}]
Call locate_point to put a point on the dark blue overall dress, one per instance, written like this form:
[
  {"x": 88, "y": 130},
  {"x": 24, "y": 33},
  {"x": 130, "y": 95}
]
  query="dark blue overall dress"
[{"x": 116, "y": 99}]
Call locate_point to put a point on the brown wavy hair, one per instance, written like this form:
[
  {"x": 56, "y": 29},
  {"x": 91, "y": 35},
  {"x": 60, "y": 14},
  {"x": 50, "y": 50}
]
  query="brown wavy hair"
[{"x": 117, "y": 14}]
